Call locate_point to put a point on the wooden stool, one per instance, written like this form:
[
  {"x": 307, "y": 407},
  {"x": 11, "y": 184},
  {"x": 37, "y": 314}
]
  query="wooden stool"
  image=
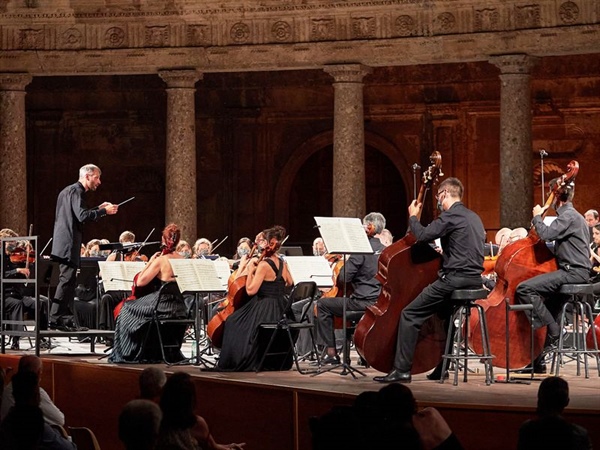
[
  {"x": 578, "y": 293},
  {"x": 465, "y": 300}
]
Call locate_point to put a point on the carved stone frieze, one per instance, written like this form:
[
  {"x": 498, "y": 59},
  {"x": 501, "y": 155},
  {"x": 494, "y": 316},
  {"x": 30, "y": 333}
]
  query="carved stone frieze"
[
  {"x": 445, "y": 23},
  {"x": 115, "y": 37},
  {"x": 281, "y": 31},
  {"x": 72, "y": 38},
  {"x": 240, "y": 33},
  {"x": 157, "y": 36},
  {"x": 363, "y": 27},
  {"x": 487, "y": 19},
  {"x": 569, "y": 13},
  {"x": 322, "y": 30},
  {"x": 31, "y": 39},
  {"x": 528, "y": 16},
  {"x": 405, "y": 26},
  {"x": 14, "y": 81}
]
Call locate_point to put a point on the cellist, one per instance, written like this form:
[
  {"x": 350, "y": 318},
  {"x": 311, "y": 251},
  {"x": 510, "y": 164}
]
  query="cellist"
[
  {"x": 360, "y": 270},
  {"x": 570, "y": 234},
  {"x": 462, "y": 237}
]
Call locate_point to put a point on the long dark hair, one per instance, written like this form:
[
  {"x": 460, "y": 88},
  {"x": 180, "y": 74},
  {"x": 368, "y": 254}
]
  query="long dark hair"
[{"x": 178, "y": 401}]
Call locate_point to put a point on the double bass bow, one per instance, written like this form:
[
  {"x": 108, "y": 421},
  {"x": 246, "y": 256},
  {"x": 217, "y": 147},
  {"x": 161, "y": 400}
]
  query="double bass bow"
[
  {"x": 405, "y": 268},
  {"x": 520, "y": 260}
]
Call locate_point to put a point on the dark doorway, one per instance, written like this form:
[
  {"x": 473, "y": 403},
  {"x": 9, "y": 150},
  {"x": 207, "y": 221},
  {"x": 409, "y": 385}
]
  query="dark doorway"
[{"x": 311, "y": 194}]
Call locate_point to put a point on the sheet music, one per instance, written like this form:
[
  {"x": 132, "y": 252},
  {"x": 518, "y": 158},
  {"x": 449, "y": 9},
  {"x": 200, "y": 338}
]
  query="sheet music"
[
  {"x": 310, "y": 268},
  {"x": 196, "y": 275},
  {"x": 344, "y": 235},
  {"x": 118, "y": 275},
  {"x": 223, "y": 271}
]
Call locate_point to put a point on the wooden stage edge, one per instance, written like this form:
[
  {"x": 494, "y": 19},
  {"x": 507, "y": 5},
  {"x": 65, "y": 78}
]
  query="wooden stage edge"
[{"x": 271, "y": 410}]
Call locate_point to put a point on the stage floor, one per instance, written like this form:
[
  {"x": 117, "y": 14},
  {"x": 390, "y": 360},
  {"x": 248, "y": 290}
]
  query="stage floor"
[{"x": 473, "y": 398}]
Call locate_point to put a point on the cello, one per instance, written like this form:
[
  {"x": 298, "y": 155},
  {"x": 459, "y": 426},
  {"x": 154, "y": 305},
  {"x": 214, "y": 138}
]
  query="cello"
[
  {"x": 405, "y": 268},
  {"x": 236, "y": 297},
  {"x": 519, "y": 260}
]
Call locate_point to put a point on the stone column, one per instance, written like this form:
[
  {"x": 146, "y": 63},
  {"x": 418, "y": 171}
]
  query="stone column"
[
  {"x": 348, "y": 140},
  {"x": 180, "y": 178},
  {"x": 13, "y": 153},
  {"x": 516, "y": 156}
]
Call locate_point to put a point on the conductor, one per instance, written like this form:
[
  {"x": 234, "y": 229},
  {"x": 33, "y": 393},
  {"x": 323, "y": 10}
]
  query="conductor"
[{"x": 71, "y": 213}]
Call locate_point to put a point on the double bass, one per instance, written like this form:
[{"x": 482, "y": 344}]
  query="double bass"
[
  {"x": 405, "y": 268},
  {"x": 519, "y": 261}
]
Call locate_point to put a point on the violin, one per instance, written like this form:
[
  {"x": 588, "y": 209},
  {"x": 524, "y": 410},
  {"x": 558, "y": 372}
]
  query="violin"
[{"x": 20, "y": 255}]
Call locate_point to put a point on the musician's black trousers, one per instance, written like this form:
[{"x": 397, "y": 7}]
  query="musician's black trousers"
[
  {"x": 64, "y": 298},
  {"x": 434, "y": 299},
  {"x": 330, "y": 307},
  {"x": 545, "y": 287}
]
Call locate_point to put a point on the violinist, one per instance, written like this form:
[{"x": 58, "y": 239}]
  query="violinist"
[
  {"x": 109, "y": 300},
  {"x": 360, "y": 271},
  {"x": 16, "y": 302},
  {"x": 129, "y": 328},
  {"x": 318, "y": 247},
  {"x": 184, "y": 249},
  {"x": 266, "y": 282},
  {"x": 570, "y": 234},
  {"x": 71, "y": 213},
  {"x": 202, "y": 248},
  {"x": 462, "y": 237}
]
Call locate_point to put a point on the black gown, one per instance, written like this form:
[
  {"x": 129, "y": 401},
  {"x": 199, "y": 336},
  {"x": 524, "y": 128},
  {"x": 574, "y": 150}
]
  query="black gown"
[
  {"x": 130, "y": 328},
  {"x": 240, "y": 348}
]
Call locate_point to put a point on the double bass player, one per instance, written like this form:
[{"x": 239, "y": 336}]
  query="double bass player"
[
  {"x": 462, "y": 237},
  {"x": 570, "y": 234}
]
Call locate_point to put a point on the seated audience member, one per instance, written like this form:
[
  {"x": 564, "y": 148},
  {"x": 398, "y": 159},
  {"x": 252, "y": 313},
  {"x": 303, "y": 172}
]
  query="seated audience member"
[
  {"x": 550, "y": 430},
  {"x": 181, "y": 427},
  {"x": 139, "y": 423},
  {"x": 52, "y": 415},
  {"x": 152, "y": 381},
  {"x": 24, "y": 426}
]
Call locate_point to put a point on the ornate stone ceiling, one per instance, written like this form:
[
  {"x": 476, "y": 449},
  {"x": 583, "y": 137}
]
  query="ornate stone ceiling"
[{"x": 53, "y": 37}]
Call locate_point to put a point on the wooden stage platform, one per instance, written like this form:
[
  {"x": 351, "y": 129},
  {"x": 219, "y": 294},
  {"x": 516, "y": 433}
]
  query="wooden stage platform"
[{"x": 270, "y": 410}]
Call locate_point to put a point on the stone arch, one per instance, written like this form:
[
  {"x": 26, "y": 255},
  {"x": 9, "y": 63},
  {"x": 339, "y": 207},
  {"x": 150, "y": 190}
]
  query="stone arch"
[{"x": 316, "y": 144}]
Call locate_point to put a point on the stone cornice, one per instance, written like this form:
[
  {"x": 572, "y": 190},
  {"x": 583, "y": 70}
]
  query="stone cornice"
[{"x": 87, "y": 37}]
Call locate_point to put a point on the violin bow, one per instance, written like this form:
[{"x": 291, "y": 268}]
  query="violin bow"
[{"x": 219, "y": 244}]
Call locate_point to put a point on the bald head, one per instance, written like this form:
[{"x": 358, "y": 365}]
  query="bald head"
[{"x": 30, "y": 363}]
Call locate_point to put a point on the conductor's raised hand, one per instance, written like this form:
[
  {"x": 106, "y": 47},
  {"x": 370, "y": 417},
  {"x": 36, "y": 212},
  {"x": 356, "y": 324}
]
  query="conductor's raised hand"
[
  {"x": 110, "y": 208},
  {"x": 414, "y": 209}
]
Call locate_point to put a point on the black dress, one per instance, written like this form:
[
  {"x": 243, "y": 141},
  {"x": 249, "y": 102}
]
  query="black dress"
[
  {"x": 130, "y": 328},
  {"x": 240, "y": 349}
]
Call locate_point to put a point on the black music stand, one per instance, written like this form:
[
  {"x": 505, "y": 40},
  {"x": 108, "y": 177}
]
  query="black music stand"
[
  {"x": 345, "y": 236},
  {"x": 198, "y": 277}
]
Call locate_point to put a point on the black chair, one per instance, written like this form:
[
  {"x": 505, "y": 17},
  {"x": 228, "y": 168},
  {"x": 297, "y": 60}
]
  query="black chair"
[
  {"x": 170, "y": 331},
  {"x": 291, "y": 327}
]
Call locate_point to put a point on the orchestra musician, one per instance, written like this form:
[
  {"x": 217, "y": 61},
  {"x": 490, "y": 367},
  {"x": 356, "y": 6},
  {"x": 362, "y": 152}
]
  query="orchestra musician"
[
  {"x": 243, "y": 248},
  {"x": 71, "y": 213},
  {"x": 462, "y": 238},
  {"x": 595, "y": 260},
  {"x": 135, "y": 313},
  {"x": 202, "y": 247},
  {"x": 318, "y": 247},
  {"x": 570, "y": 234},
  {"x": 16, "y": 302},
  {"x": 184, "y": 249},
  {"x": 265, "y": 283},
  {"x": 360, "y": 271},
  {"x": 592, "y": 219}
]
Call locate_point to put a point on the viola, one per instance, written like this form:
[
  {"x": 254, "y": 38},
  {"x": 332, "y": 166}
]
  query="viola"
[
  {"x": 518, "y": 261},
  {"x": 405, "y": 268}
]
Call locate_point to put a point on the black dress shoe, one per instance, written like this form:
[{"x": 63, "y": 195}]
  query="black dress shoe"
[
  {"x": 393, "y": 376},
  {"x": 60, "y": 326},
  {"x": 15, "y": 345},
  {"x": 330, "y": 360},
  {"x": 537, "y": 368}
]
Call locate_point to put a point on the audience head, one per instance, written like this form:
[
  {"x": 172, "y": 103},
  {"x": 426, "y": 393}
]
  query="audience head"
[
  {"x": 318, "y": 247},
  {"x": 152, "y": 381},
  {"x": 397, "y": 403},
  {"x": 553, "y": 396},
  {"x": 31, "y": 363},
  {"x": 25, "y": 388},
  {"x": 170, "y": 238},
  {"x": 326, "y": 435},
  {"x": 178, "y": 401},
  {"x": 139, "y": 423}
]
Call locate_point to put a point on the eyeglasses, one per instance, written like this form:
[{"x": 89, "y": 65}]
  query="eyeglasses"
[{"x": 437, "y": 196}]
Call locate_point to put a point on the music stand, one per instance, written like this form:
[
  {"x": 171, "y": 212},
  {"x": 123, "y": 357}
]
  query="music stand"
[
  {"x": 198, "y": 277},
  {"x": 346, "y": 236}
]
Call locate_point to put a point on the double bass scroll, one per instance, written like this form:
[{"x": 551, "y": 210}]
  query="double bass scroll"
[{"x": 405, "y": 268}]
